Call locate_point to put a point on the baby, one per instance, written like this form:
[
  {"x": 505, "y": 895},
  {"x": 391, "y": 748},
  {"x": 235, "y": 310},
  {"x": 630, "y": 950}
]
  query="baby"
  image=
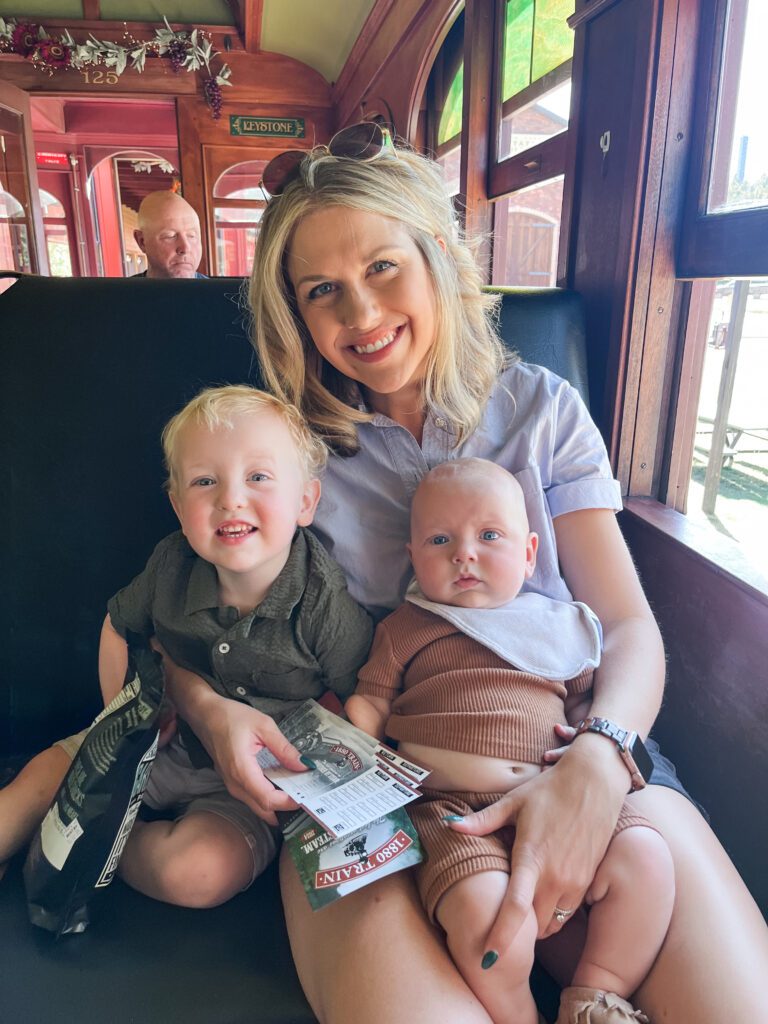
[
  {"x": 472, "y": 679},
  {"x": 243, "y": 596}
]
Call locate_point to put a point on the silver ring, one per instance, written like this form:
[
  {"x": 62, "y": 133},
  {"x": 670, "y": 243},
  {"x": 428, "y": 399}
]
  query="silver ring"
[{"x": 561, "y": 916}]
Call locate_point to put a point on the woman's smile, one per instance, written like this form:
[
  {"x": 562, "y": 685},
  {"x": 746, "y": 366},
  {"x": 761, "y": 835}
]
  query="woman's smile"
[{"x": 373, "y": 348}]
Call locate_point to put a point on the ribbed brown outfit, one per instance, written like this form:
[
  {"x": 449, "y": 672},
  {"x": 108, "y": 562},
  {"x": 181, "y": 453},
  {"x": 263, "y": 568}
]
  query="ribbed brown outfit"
[{"x": 449, "y": 691}]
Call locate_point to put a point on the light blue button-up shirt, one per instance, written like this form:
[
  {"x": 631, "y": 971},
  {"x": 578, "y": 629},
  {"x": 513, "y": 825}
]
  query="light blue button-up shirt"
[{"x": 535, "y": 425}]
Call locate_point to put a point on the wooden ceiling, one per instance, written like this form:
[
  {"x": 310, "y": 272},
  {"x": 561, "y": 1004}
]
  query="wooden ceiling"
[{"x": 319, "y": 33}]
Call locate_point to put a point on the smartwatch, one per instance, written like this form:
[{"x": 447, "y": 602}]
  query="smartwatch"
[{"x": 629, "y": 745}]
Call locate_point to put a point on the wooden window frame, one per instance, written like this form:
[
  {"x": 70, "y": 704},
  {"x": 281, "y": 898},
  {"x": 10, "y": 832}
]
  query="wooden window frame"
[
  {"x": 664, "y": 362},
  {"x": 730, "y": 244},
  {"x": 537, "y": 163}
]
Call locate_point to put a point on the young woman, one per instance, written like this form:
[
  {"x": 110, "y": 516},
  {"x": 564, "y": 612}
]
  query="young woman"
[{"x": 369, "y": 316}]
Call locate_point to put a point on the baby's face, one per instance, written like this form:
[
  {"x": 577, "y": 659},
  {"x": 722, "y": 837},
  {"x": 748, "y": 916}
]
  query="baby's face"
[
  {"x": 240, "y": 494},
  {"x": 470, "y": 542}
]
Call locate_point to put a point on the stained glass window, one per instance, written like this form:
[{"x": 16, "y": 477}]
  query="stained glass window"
[
  {"x": 450, "y": 122},
  {"x": 536, "y": 40}
]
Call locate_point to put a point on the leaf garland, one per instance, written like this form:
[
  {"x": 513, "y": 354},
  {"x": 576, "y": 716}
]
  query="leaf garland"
[{"x": 188, "y": 51}]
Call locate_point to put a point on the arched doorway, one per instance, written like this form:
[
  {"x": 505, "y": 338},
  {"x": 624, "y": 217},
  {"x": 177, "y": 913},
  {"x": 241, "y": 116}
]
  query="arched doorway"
[{"x": 115, "y": 187}]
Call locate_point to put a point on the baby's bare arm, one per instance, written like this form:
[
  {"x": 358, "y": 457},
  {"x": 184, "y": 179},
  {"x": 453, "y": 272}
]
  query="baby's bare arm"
[{"x": 368, "y": 713}]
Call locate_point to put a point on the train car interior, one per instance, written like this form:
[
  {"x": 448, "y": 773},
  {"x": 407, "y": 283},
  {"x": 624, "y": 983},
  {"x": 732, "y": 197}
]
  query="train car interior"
[{"x": 609, "y": 157}]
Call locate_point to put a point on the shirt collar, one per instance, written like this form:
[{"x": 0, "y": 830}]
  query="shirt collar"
[
  {"x": 202, "y": 588},
  {"x": 281, "y": 598},
  {"x": 286, "y": 591}
]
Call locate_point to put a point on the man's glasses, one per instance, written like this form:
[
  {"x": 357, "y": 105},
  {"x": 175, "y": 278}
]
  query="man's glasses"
[{"x": 364, "y": 141}]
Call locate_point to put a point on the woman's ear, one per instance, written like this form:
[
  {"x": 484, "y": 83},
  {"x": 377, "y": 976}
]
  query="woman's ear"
[{"x": 441, "y": 242}]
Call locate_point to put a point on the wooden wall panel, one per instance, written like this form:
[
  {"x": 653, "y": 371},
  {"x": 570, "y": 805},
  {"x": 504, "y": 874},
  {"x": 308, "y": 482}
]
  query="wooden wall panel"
[
  {"x": 267, "y": 83},
  {"x": 713, "y": 722},
  {"x": 616, "y": 48}
]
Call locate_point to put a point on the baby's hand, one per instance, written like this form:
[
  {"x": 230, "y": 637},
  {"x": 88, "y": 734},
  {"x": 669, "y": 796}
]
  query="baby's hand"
[{"x": 567, "y": 734}]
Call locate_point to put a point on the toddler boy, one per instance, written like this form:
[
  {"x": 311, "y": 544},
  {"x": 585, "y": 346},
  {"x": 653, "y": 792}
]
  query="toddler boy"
[{"x": 243, "y": 596}]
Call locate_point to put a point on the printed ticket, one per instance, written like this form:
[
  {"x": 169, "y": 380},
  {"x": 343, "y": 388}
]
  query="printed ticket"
[{"x": 356, "y": 779}]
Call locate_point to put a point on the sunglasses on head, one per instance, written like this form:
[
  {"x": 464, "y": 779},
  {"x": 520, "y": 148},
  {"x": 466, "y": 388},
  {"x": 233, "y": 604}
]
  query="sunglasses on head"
[{"x": 364, "y": 141}]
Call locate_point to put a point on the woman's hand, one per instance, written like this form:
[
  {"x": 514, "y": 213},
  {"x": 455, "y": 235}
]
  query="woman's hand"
[
  {"x": 233, "y": 734},
  {"x": 564, "y": 819}
]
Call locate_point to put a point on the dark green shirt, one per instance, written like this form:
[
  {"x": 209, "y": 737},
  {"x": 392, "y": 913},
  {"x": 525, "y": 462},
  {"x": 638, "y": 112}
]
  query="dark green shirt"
[{"x": 307, "y": 635}]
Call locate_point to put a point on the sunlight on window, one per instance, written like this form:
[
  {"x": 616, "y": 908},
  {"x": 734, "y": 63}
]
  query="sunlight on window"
[
  {"x": 526, "y": 235},
  {"x": 729, "y": 475},
  {"x": 739, "y": 174},
  {"x": 537, "y": 39},
  {"x": 450, "y": 120}
]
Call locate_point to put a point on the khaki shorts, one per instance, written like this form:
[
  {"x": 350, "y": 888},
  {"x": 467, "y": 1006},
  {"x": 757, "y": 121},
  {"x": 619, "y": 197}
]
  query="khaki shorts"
[
  {"x": 452, "y": 856},
  {"x": 175, "y": 785}
]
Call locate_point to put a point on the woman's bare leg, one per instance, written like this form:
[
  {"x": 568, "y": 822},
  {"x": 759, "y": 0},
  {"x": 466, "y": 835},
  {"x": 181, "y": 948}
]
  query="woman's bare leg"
[
  {"x": 373, "y": 956},
  {"x": 466, "y": 912},
  {"x": 714, "y": 962}
]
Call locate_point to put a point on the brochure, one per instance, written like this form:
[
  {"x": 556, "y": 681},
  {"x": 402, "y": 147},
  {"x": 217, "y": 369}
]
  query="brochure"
[
  {"x": 356, "y": 779},
  {"x": 352, "y": 828}
]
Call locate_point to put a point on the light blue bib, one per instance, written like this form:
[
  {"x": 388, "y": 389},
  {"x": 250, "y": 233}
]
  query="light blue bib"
[{"x": 536, "y": 634}]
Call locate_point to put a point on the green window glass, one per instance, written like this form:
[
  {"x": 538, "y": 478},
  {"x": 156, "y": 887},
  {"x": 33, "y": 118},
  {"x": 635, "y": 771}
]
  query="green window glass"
[
  {"x": 450, "y": 121},
  {"x": 536, "y": 40}
]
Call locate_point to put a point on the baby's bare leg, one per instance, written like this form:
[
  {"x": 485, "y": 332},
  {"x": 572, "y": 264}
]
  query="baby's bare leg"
[
  {"x": 201, "y": 860},
  {"x": 466, "y": 913},
  {"x": 25, "y": 800},
  {"x": 632, "y": 897}
]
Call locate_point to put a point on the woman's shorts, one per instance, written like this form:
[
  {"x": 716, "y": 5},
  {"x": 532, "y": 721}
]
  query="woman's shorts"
[{"x": 175, "y": 785}]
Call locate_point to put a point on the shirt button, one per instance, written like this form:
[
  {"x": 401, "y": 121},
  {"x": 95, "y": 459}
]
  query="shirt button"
[
  {"x": 241, "y": 691},
  {"x": 440, "y": 422},
  {"x": 224, "y": 648}
]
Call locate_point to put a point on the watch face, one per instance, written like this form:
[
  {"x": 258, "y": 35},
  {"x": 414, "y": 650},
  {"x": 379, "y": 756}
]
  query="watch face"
[{"x": 642, "y": 758}]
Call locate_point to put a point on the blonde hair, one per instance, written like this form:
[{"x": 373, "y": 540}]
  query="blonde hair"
[
  {"x": 467, "y": 356},
  {"x": 218, "y": 407}
]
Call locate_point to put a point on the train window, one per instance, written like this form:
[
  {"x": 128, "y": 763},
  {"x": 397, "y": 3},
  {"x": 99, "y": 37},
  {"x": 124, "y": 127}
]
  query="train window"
[
  {"x": 450, "y": 120},
  {"x": 526, "y": 236},
  {"x": 726, "y": 486},
  {"x": 718, "y": 451},
  {"x": 533, "y": 91},
  {"x": 513, "y": 190},
  {"x": 56, "y": 235},
  {"x": 739, "y": 170},
  {"x": 445, "y": 100},
  {"x": 535, "y": 77},
  {"x": 238, "y": 205},
  {"x": 236, "y": 231}
]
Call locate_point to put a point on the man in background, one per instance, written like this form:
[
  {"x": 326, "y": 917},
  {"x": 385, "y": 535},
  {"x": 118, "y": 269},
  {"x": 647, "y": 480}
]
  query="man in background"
[{"x": 169, "y": 235}]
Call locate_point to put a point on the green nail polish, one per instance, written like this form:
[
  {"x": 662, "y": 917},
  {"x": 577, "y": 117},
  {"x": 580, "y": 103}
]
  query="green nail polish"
[
  {"x": 453, "y": 817},
  {"x": 489, "y": 959},
  {"x": 308, "y": 762}
]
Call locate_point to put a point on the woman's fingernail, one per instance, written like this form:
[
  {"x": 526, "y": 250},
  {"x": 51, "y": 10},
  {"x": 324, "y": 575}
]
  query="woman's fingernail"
[
  {"x": 308, "y": 762},
  {"x": 453, "y": 817},
  {"x": 489, "y": 959}
]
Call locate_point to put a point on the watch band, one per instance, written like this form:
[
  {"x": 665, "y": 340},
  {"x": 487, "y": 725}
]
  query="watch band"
[{"x": 627, "y": 743}]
